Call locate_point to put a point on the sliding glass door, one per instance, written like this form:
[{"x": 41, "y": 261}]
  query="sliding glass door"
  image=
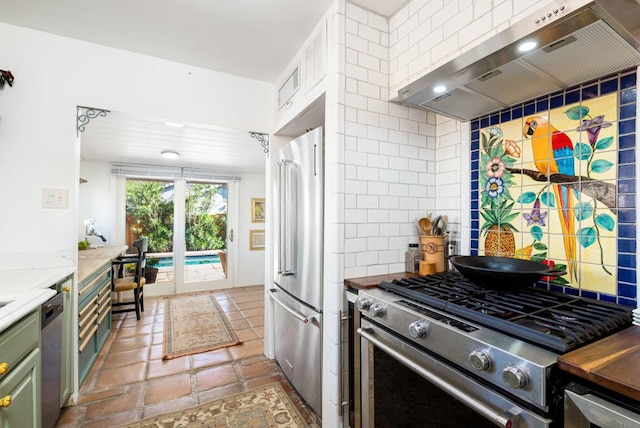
[{"x": 186, "y": 223}]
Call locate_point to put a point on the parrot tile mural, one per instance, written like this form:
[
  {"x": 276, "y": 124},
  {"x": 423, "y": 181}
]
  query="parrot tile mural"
[{"x": 553, "y": 181}]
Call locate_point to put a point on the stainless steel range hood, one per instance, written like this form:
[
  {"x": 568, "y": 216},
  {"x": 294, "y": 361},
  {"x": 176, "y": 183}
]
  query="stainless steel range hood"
[{"x": 576, "y": 43}]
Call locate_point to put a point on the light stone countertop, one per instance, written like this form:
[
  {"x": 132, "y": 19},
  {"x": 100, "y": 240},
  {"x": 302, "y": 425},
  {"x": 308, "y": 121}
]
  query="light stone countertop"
[{"x": 24, "y": 290}]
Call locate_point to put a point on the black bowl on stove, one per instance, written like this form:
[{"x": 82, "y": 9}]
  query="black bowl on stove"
[{"x": 502, "y": 273}]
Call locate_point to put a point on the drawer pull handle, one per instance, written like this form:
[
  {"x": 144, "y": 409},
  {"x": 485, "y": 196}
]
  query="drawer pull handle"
[
  {"x": 5, "y": 401},
  {"x": 4, "y": 368},
  {"x": 66, "y": 288}
]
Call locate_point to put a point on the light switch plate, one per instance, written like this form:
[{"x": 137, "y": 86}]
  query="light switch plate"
[{"x": 55, "y": 198}]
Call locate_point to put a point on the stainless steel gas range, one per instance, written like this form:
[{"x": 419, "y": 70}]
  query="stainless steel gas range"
[{"x": 477, "y": 351}]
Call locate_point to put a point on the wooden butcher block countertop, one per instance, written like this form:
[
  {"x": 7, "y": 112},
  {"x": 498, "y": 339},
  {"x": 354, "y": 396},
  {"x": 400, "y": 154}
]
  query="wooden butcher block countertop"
[{"x": 613, "y": 362}]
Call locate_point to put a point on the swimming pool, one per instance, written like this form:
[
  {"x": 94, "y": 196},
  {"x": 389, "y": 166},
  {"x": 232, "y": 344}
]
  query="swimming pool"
[{"x": 189, "y": 260}]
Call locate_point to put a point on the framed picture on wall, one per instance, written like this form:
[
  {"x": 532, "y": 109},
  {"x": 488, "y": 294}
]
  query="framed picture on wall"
[
  {"x": 258, "y": 212},
  {"x": 256, "y": 239}
]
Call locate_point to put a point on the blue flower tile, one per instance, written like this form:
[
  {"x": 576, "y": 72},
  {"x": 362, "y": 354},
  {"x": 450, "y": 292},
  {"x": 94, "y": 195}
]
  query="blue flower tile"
[
  {"x": 626, "y": 127},
  {"x": 626, "y": 200},
  {"x": 626, "y": 290},
  {"x": 484, "y": 122},
  {"x": 589, "y": 92},
  {"x": 529, "y": 109},
  {"x": 475, "y": 125},
  {"x": 542, "y": 105},
  {"x": 505, "y": 116},
  {"x": 609, "y": 86},
  {"x": 475, "y": 205},
  {"x": 627, "y": 97},
  {"x": 627, "y": 231},
  {"x": 475, "y": 234},
  {"x": 627, "y": 260},
  {"x": 628, "y": 81},
  {"x": 589, "y": 294},
  {"x": 626, "y": 302},
  {"x": 556, "y": 288},
  {"x": 627, "y": 216},
  {"x": 494, "y": 119},
  {"x": 475, "y": 155},
  {"x": 475, "y": 136},
  {"x": 572, "y": 97},
  {"x": 627, "y": 275},
  {"x": 475, "y": 215},
  {"x": 516, "y": 112},
  {"x": 572, "y": 291},
  {"x": 626, "y": 245},
  {"x": 608, "y": 298},
  {"x": 627, "y": 142},
  {"x": 627, "y": 186},
  {"x": 474, "y": 175},
  {"x": 626, "y": 171},
  {"x": 626, "y": 156},
  {"x": 557, "y": 101},
  {"x": 628, "y": 112}
]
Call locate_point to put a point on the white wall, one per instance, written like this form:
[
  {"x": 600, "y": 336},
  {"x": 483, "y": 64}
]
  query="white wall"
[
  {"x": 251, "y": 264},
  {"x": 38, "y": 144},
  {"x": 97, "y": 202}
]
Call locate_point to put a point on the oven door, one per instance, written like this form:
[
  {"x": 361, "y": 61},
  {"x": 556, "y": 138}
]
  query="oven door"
[
  {"x": 582, "y": 409},
  {"x": 442, "y": 396}
]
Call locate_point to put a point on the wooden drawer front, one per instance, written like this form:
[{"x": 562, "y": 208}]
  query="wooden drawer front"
[
  {"x": 18, "y": 340},
  {"x": 100, "y": 280}
]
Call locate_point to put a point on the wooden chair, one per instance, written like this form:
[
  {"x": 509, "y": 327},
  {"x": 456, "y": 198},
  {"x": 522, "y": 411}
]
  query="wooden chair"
[
  {"x": 135, "y": 283},
  {"x": 223, "y": 261}
]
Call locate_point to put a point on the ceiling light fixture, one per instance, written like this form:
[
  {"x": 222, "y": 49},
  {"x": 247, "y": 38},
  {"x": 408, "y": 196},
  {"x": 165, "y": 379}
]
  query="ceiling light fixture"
[
  {"x": 527, "y": 46},
  {"x": 438, "y": 89},
  {"x": 174, "y": 124},
  {"x": 168, "y": 154}
]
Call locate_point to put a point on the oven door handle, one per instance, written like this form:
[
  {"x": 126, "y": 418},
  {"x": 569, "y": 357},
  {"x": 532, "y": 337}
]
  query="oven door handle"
[{"x": 505, "y": 419}]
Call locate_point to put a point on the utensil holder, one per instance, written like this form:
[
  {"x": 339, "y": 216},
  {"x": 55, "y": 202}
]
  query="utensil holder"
[{"x": 433, "y": 251}]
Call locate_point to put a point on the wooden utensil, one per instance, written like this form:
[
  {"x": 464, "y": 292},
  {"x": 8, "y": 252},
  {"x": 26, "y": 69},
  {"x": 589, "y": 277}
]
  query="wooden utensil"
[{"x": 425, "y": 225}]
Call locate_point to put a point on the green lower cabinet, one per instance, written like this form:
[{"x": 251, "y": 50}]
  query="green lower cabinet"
[
  {"x": 20, "y": 375},
  {"x": 68, "y": 341}
]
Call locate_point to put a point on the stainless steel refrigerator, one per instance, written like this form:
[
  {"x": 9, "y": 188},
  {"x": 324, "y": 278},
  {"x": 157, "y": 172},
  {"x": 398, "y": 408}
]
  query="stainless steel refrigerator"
[{"x": 298, "y": 239}]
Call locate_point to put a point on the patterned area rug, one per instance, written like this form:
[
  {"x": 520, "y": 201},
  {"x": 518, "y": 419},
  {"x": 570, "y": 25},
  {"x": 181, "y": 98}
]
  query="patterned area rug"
[
  {"x": 264, "y": 407},
  {"x": 195, "y": 323}
]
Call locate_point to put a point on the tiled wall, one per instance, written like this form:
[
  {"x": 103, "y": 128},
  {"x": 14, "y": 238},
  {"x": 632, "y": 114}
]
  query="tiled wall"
[
  {"x": 389, "y": 158},
  {"x": 618, "y": 92}
]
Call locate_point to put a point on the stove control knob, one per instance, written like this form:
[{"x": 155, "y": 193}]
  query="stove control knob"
[
  {"x": 377, "y": 310},
  {"x": 418, "y": 329},
  {"x": 514, "y": 377},
  {"x": 479, "y": 360},
  {"x": 363, "y": 303}
]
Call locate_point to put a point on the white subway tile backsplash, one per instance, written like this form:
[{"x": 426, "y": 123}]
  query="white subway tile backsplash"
[
  {"x": 409, "y": 152},
  {"x": 350, "y": 203},
  {"x": 366, "y": 173},
  {"x": 378, "y": 133},
  {"x": 446, "y": 13},
  {"x": 355, "y": 129},
  {"x": 418, "y": 191},
  {"x": 408, "y": 26},
  {"x": 398, "y": 189},
  {"x": 367, "y": 145},
  {"x": 355, "y": 187},
  {"x": 369, "y": 33},
  {"x": 389, "y": 202},
  {"x": 366, "y": 230},
  {"x": 398, "y": 19},
  {"x": 463, "y": 18},
  {"x": 384, "y": 41},
  {"x": 389, "y": 176},
  {"x": 350, "y": 143},
  {"x": 388, "y": 122},
  {"x": 351, "y": 114},
  {"x": 427, "y": 154},
  {"x": 355, "y": 42},
  {"x": 398, "y": 243},
  {"x": 379, "y": 51},
  {"x": 369, "y": 62},
  {"x": 356, "y": 101},
  {"x": 351, "y": 26},
  {"x": 378, "y": 161},
  {"x": 420, "y": 32},
  {"x": 380, "y": 79},
  {"x": 381, "y": 269},
  {"x": 377, "y": 106},
  {"x": 351, "y": 56},
  {"x": 390, "y": 229},
  {"x": 377, "y": 243},
  {"x": 417, "y": 139},
  {"x": 502, "y": 13},
  {"x": 378, "y": 22},
  {"x": 398, "y": 163},
  {"x": 398, "y": 110},
  {"x": 390, "y": 256},
  {"x": 367, "y": 258},
  {"x": 368, "y": 118},
  {"x": 409, "y": 177},
  {"x": 398, "y": 137},
  {"x": 427, "y": 129},
  {"x": 351, "y": 86},
  {"x": 480, "y": 7},
  {"x": 356, "y": 12},
  {"x": 417, "y": 115},
  {"x": 448, "y": 48},
  {"x": 354, "y": 245},
  {"x": 409, "y": 55},
  {"x": 409, "y": 126},
  {"x": 355, "y": 158},
  {"x": 378, "y": 216},
  {"x": 356, "y": 72},
  {"x": 417, "y": 165},
  {"x": 389, "y": 149},
  {"x": 368, "y": 90},
  {"x": 349, "y": 260},
  {"x": 377, "y": 188}
]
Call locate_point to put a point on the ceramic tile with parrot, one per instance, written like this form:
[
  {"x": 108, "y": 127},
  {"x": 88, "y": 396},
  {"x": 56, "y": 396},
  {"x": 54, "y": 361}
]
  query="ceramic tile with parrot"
[{"x": 548, "y": 187}]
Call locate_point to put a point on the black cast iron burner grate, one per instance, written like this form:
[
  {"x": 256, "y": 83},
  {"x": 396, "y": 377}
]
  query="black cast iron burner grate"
[{"x": 555, "y": 321}]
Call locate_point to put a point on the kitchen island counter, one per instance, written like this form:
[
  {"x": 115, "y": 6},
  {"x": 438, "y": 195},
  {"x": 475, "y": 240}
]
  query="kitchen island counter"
[{"x": 92, "y": 259}]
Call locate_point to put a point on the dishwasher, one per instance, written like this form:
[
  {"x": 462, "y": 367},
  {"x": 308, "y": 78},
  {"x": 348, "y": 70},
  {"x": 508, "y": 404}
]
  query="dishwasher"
[{"x": 51, "y": 353}]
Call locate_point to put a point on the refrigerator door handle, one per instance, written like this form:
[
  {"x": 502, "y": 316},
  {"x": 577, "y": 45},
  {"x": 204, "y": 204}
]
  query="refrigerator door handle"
[
  {"x": 272, "y": 293},
  {"x": 288, "y": 220}
]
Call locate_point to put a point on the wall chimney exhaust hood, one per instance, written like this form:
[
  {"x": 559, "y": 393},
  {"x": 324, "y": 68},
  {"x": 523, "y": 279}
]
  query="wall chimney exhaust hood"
[{"x": 575, "y": 43}]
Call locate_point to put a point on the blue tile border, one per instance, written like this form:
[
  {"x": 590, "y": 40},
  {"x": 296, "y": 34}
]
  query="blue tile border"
[{"x": 625, "y": 83}]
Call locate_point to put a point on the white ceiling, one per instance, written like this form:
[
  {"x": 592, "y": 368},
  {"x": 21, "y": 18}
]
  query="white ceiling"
[{"x": 250, "y": 38}]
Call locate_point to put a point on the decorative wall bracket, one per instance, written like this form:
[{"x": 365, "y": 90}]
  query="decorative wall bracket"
[
  {"x": 83, "y": 119},
  {"x": 263, "y": 139},
  {"x": 6, "y": 77}
]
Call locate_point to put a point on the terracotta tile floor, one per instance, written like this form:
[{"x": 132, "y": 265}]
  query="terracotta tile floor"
[{"x": 130, "y": 381}]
